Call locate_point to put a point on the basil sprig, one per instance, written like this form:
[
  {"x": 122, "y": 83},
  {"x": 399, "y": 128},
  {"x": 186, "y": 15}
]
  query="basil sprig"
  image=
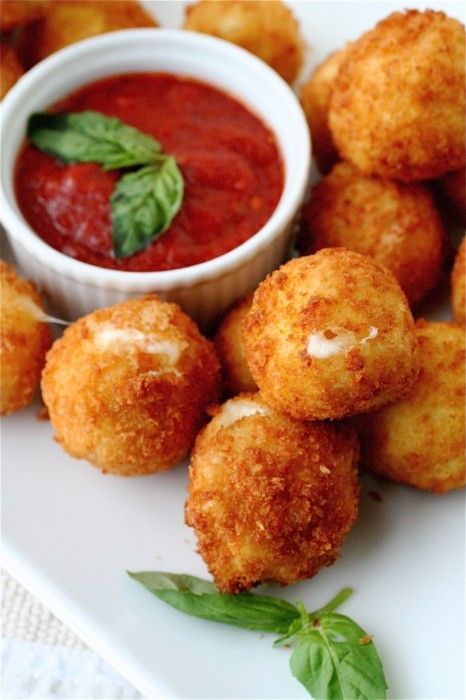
[
  {"x": 144, "y": 202},
  {"x": 333, "y": 656}
]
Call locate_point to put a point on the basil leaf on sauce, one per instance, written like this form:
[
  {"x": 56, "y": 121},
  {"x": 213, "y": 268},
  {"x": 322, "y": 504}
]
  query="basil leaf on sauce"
[
  {"x": 144, "y": 202},
  {"x": 83, "y": 137},
  {"x": 143, "y": 205}
]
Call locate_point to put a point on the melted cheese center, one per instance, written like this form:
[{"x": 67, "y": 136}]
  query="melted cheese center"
[
  {"x": 324, "y": 344},
  {"x": 235, "y": 410},
  {"x": 123, "y": 340}
]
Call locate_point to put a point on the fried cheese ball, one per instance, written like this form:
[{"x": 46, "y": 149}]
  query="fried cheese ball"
[
  {"x": 68, "y": 21},
  {"x": 453, "y": 187},
  {"x": 395, "y": 224},
  {"x": 330, "y": 335},
  {"x": 458, "y": 283},
  {"x": 16, "y": 13},
  {"x": 315, "y": 100},
  {"x": 269, "y": 30},
  {"x": 126, "y": 386},
  {"x": 420, "y": 440},
  {"x": 230, "y": 349},
  {"x": 270, "y": 498},
  {"x": 10, "y": 68},
  {"x": 25, "y": 339},
  {"x": 398, "y": 104}
]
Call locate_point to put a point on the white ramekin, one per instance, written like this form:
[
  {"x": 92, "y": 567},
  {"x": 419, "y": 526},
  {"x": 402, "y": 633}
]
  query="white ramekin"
[{"x": 205, "y": 290}]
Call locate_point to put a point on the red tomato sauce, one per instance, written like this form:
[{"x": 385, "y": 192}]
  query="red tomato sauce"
[{"x": 229, "y": 159}]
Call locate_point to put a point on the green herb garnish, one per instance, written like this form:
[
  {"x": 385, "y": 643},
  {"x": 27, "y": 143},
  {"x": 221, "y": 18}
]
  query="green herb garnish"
[
  {"x": 333, "y": 657},
  {"x": 144, "y": 202}
]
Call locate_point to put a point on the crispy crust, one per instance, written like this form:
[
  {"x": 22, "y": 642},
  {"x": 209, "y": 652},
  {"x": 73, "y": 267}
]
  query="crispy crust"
[
  {"x": 315, "y": 100},
  {"x": 68, "y": 21},
  {"x": 270, "y": 498},
  {"x": 130, "y": 409},
  {"x": 16, "y": 13},
  {"x": 24, "y": 341},
  {"x": 340, "y": 292},
  {"x": 10, "y": 68},
  {"x": 395, "y": 224},
  {"x": 453, "y": 187},
  {"x": 397, "y": 109},
  {"x": 230, "y": 349},
  {"x": 267, "y": 29},
  {"x": 420, "y": 440},
  {"x": 458, "y": 283}
]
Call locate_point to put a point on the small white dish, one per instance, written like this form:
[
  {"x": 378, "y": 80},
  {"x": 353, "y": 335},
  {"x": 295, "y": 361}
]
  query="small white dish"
[{"x": 204, "y": 290}]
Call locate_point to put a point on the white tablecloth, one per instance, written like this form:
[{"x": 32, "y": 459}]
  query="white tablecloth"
[{"x": 41, "y": 658}]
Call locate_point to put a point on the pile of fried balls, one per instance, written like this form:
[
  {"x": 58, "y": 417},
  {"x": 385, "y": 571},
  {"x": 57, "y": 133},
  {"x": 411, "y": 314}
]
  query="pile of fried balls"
[{"x": 323, "y": 368}]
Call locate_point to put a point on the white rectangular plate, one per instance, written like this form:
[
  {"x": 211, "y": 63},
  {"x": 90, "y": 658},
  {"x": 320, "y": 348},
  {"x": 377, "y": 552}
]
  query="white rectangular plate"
[{"x": 69, "y": 533}]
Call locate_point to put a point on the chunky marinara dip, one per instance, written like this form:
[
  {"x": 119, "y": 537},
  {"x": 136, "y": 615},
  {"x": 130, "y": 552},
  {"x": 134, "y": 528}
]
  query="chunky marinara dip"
[{"x": 232, "y": 170}]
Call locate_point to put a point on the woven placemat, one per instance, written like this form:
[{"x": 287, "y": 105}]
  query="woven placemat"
[{"x": 24, "y": 617}]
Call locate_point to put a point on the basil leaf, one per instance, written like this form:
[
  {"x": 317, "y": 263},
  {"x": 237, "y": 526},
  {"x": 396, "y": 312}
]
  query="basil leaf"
[
  {"x": 83, "y": 137},
  {"x": 336, "y": 660},
  {"x": 144, "y": 203},
  {"x": 196, "y": 597},
  {"x": 162, "y": 580}
]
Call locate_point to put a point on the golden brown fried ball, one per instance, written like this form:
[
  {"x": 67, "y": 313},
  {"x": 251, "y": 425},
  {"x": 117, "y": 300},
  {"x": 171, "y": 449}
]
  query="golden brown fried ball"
[
  {"x": 270, "y": 498},
  {"x": 396, "y": 224},
  {"x": 420, "y": 440},
  {"x": 68, "y": 21},
  {"x": 230, "y": 349},
  {"x": 25, "y": 339},
  {"x": 10, "y": 68},
  {"x": 16, "y": 13},
  {"x": 458, "y": 282},
  {"x": 330, "y": 335},
  {"x": 126, "y": 386},
  {"x": 269, "y": 30},
  {"x": 315, "y": 100},
  {"x": 397, "y": 108},
  {"x": 453, "y": 187}
]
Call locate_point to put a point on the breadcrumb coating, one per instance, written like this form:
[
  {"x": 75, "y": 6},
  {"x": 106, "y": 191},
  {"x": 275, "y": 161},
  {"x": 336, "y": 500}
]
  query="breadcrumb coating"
[
  {"x": 16, "y": 13},
  {"x": 270, "y": 498},
  {"x": 394, "y": 223},
  {"x": 269, "y": 30},
  {"x": 68, "y": 21},
  {"x": 420, "y": 440},
  {"x": 315, "y": 100},
  {"x": 330, "y": 335},
  {"x": 398, "y": 104},
  {"x": 458, "y": 283},
  {"x": 230, "y": 349},
  {"x": 24, "y": 340},
  {"x": 10, "y": 68},
  {"x": 127, "y": 386}
]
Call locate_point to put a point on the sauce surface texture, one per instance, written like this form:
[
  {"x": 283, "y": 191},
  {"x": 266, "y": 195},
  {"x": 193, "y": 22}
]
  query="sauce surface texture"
[{"x": 229, "y": 159}]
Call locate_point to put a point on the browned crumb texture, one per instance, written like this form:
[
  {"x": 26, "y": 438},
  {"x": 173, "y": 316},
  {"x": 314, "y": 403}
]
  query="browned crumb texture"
[
  {"x": 267, "y": 29},
  {"x": 270, "y": 498},
  {"x": 335, "y": 291},
  {"x": 315, "y": 100},
  {"x": 24, "y": 341},
  {"x": 398, "y": 105},
  {"x": 395, "y": 224},
  {"x": 10, "y": 68},
  {"x": 420, "y": 440},
  {"x": 458, "y": 284},
  {"x": 127, "y": 407},
  {"x": 230, "y": 349},
  {"x": 68, "y": 21}
]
